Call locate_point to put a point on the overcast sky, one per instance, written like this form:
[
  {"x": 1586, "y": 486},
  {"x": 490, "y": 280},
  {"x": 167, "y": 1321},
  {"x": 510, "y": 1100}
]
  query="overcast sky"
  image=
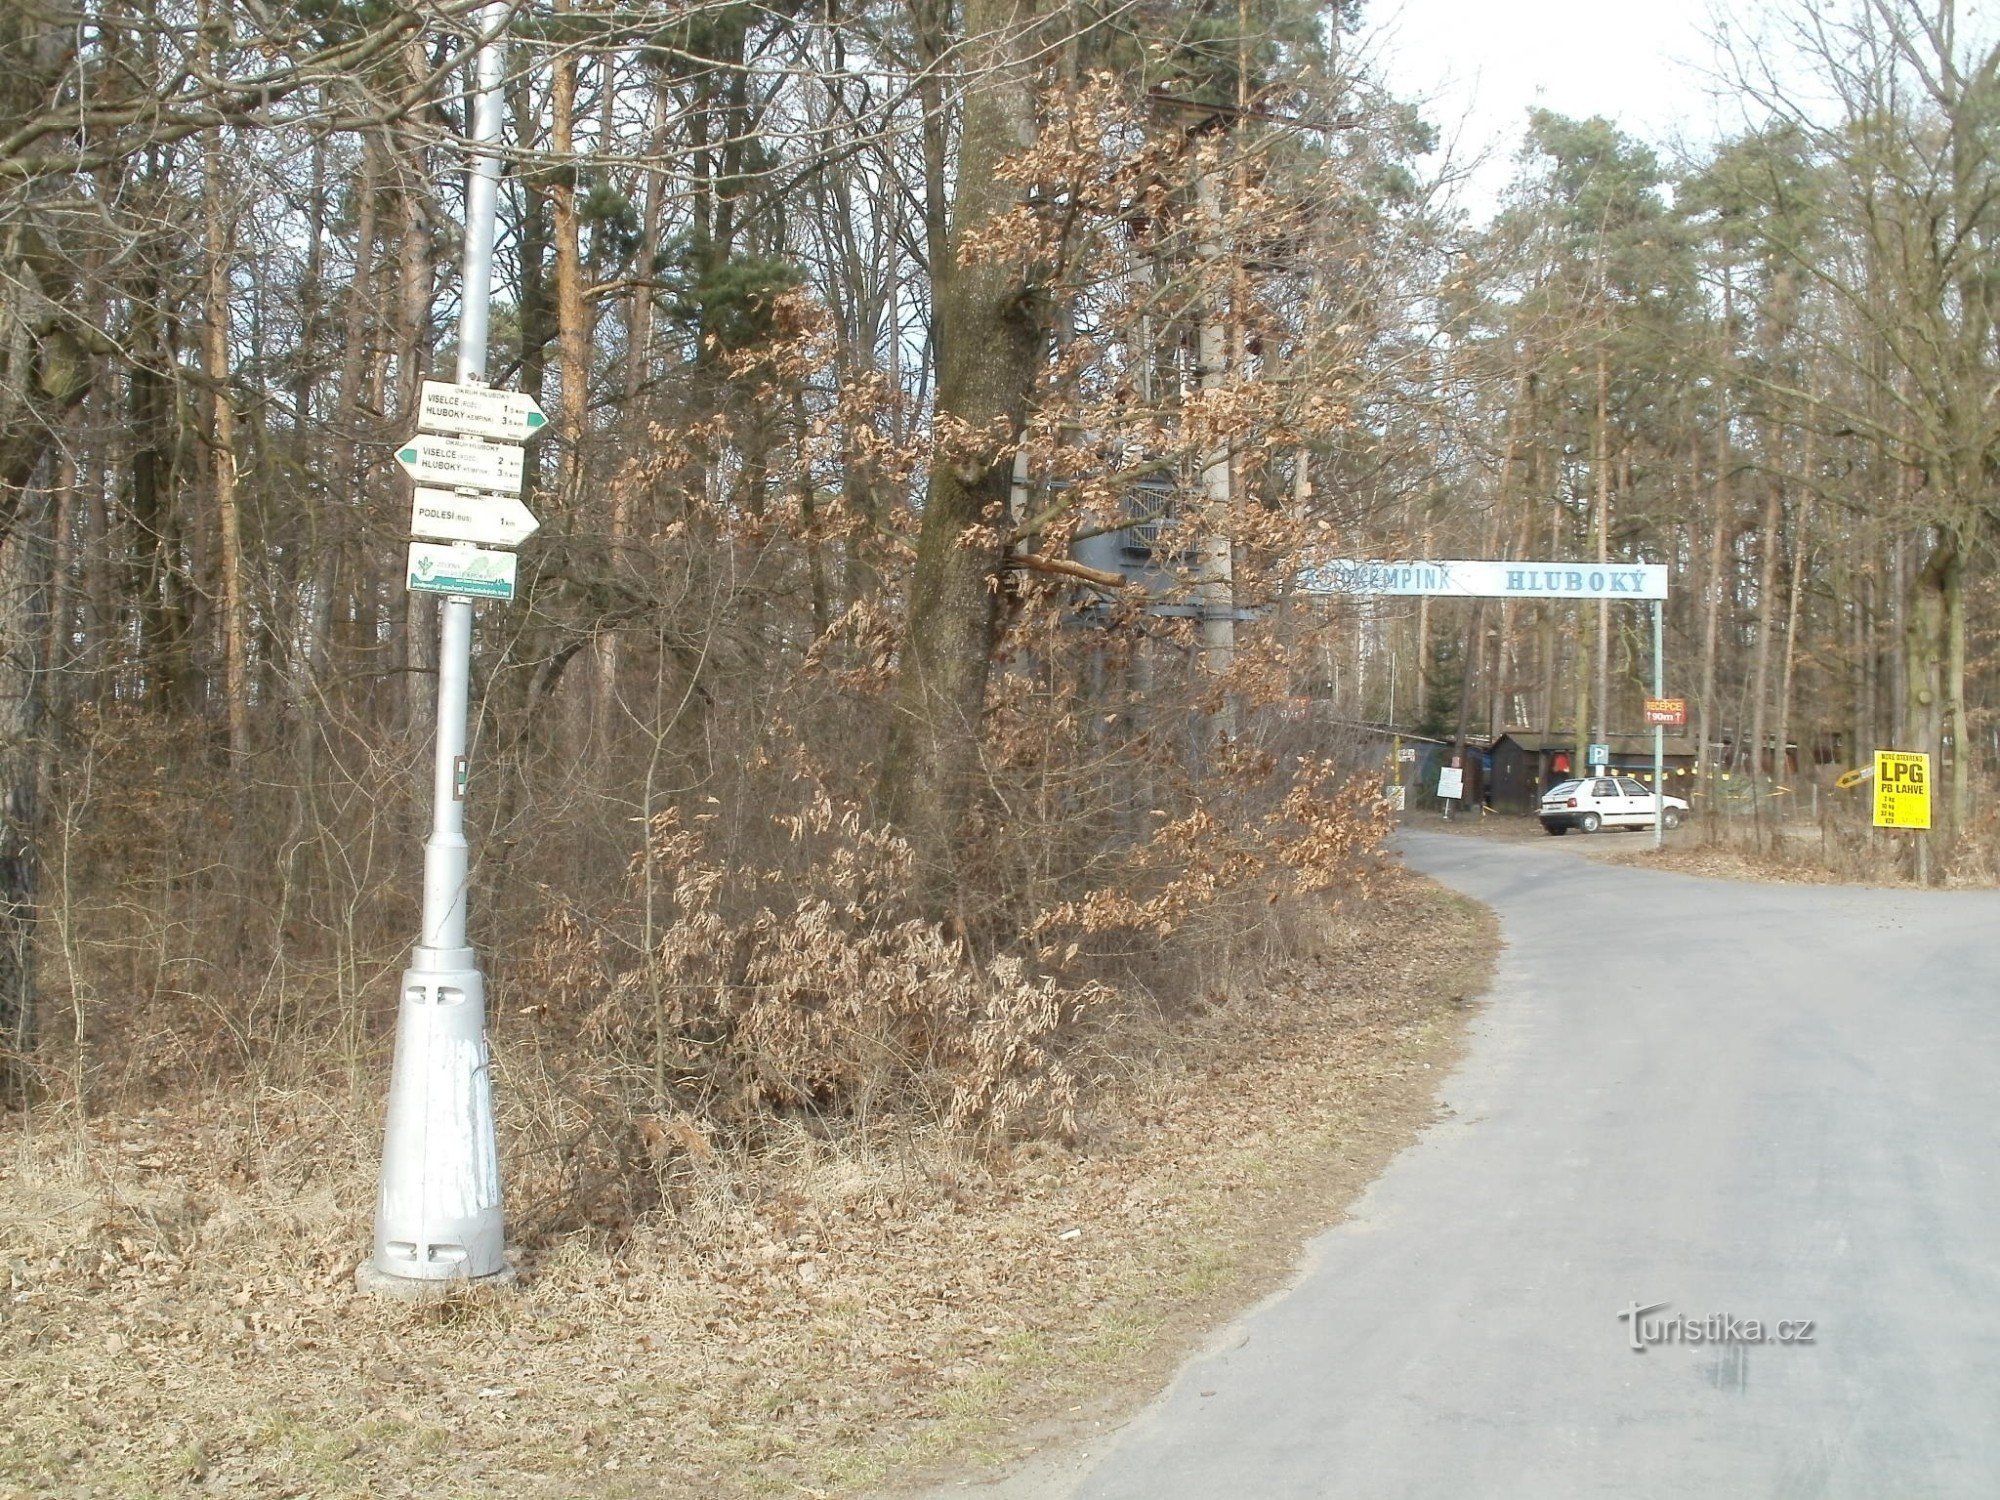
[
  {"x": 1648, "y": 65},
  {"x": 1485, "y": 63}
]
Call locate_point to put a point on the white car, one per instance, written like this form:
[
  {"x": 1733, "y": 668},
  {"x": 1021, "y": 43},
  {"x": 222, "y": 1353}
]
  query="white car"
[{"x": 1605, "y": 802}]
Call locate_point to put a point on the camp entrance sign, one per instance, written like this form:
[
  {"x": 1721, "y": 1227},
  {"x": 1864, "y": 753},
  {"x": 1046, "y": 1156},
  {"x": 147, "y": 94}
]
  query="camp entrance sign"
[
  {"x": 1488, "y": 580},
  {"x": 475, "y": 572},
  {"x": 1902, "y": 789},
  {"x": 1501, "y": 578}
]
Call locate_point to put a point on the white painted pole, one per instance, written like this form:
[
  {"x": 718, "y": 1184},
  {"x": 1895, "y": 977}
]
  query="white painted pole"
[
  {"x": 1659, "y": 730},
  {"x": 437, "y": 1215}
]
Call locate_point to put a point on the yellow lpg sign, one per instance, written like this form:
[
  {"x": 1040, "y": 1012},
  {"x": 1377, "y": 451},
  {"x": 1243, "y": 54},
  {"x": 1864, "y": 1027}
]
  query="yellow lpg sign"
[{"x": 1902, "y": 790}]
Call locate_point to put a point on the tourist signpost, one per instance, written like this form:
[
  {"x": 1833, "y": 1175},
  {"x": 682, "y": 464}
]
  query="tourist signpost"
[
  {"x": 437, "y": 1214},
  {"x": 476, "y": 572},
  {"x": 465, "y": 463},
  {"x": 475, "y": 411},
  {"x": 491, "y": 520}
]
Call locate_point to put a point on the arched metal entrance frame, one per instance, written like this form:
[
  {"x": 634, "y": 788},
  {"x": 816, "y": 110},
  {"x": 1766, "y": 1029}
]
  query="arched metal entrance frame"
[{"x": 1465, "y": 579}]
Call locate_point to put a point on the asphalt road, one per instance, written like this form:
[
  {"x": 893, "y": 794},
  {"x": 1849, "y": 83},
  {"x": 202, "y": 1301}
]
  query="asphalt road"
[{"x": 1755, "y": 1101}]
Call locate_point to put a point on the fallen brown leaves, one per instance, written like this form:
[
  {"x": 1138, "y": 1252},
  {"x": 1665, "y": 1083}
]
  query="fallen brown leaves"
[
  {"x": 178, "y": 1316},
  {"x": 1721, "y": 862}
]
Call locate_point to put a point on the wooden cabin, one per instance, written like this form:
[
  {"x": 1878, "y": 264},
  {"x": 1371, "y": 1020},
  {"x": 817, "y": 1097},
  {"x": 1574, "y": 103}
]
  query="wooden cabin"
[{"x": 1526, "y": 764}]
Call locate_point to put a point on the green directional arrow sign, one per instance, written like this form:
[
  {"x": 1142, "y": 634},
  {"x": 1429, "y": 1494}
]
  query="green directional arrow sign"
[
  {"x": 462, "y": 463},
  {"x": 475, "y": 411}
]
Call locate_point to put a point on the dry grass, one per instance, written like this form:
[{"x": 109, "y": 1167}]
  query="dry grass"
[
  {"x": 179, "y": 1316},
  {"x": 1832, "y": 851},
  {"x": 1723, "y": 860},
  {"x": 1806, "y": 853}
]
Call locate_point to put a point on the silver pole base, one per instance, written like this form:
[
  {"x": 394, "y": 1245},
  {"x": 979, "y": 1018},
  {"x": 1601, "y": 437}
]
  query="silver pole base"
[
  {"x": 437, "y": 1216},
  {"x": 370, "y": 1282}
]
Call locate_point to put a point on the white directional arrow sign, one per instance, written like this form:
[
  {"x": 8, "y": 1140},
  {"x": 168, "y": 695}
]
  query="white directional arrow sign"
[
  {"x": 465, "y": 465},
  {"x": 475, "y": 411},
  {"x": 499, "y": 520}
]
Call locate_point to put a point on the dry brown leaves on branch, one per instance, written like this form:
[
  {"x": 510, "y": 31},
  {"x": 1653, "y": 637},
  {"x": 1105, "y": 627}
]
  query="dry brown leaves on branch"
[{"x": 819, "y": 986}]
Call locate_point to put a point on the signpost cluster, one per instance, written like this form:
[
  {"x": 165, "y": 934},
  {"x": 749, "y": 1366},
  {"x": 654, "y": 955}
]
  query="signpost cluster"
[
  {"x": 437, "y": 1213},
  {"x": 468, "y": 439}
]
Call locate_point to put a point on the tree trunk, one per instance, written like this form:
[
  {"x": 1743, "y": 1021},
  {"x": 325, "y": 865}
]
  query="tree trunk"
[
  {"x": 1767, "y": 620},
  {"x": 1898, "y": 591},
  {"x": 1503, "y": 650},
  {"x": 992, "y": 328},
  {"x": 1468, "y": 659},
  {"x": 1926, "y": 645},
  {"x": 1603, "y": 527},
  {"x": 1548, "y": 644},
  {"x": 23, "y": 767},
  {"x": 44, "y": 372},
  {"x": 1215, "y": 585},
  {"x": 1959, "y": 808},
  {"x": 531, "y": 297},
  {"x": 1581, "y": 632},
  {"x": 222, "y": 464},
  {"x": 417, "y": 628},
  {"x": 638, "y": 354},
  {"x": 349, "y": 420},
  {"x": 1800, "y": 531},
  {"x": 572, "y": 316}
]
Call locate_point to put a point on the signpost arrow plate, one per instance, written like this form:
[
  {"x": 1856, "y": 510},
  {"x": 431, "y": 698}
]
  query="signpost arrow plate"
[
  {"x": 475, "y": 411},
  {"x": 455, "y": 462},
  {"x": 474, "y": 571},
  {"x": 499, "y": 520}
]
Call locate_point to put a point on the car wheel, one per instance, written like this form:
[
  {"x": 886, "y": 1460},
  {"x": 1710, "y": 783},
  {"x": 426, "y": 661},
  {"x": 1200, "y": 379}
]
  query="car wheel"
[
  {"x": 1554, "y": 828},
  {"x": 1590, "y": 822},
  {"x": 1671, "y": 817}
]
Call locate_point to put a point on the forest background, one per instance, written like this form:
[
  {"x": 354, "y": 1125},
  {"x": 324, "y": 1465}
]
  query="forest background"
[
  {"x": 910, "y": 732},
  {"x": 823, "y": 771}
]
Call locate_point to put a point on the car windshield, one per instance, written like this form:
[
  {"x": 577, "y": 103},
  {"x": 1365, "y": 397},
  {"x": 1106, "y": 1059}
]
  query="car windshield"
[{"x": 1562, "y": 789}]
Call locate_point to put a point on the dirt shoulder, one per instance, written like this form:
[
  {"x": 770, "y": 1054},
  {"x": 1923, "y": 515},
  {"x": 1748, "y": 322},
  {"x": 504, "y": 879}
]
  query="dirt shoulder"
[
  {"x": 1789, "y": 855},
  {"x": 179, "y": 1316}
]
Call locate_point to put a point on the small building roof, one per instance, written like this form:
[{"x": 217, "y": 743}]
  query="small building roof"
[{"x": 1622, "y": 745}]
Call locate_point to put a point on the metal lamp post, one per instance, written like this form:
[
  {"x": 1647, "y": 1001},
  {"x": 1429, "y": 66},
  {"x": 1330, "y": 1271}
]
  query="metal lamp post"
[
  {"x": 438, "y": 1215},
  {"x": 1659, "y": 729}
]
